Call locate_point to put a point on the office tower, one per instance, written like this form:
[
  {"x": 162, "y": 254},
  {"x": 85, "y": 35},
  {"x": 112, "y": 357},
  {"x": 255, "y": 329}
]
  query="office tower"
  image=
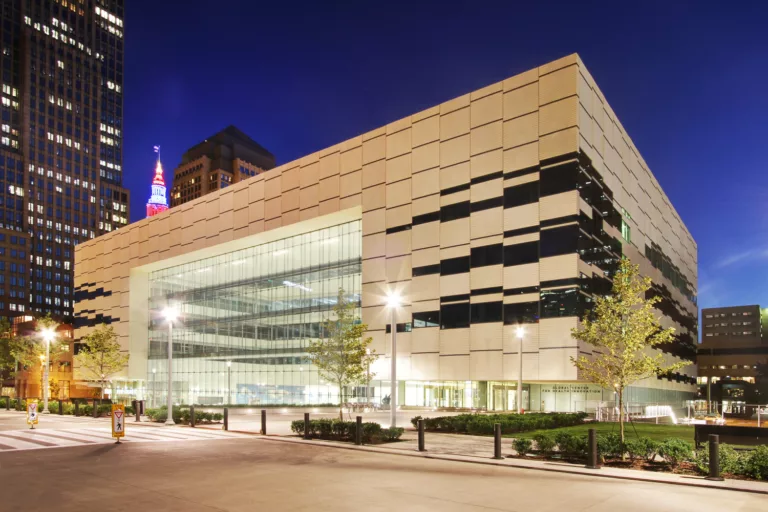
[
  {"x": 227, "y": 157},
  {"x": 61, "y": 144}
]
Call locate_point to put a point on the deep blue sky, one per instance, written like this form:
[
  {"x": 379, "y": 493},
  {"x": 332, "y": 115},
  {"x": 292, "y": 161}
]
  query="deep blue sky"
[{"x": 688, "y": 82}]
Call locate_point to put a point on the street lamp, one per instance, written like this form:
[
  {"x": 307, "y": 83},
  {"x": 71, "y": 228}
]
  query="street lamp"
[
  {"x": 229, "y": 382},
  {"x": 393, "y": 302},
  {"x": 368, "y": 379},
  {"x": 48, "y": 335},
  {"x": 520, "y": 334},
  {"x": 170, "y": 315},
  {"x": 154, "y": 390}
]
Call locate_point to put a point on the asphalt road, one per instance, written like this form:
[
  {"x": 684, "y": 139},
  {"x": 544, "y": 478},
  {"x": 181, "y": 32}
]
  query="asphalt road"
[{"x": 260, "y": 474}]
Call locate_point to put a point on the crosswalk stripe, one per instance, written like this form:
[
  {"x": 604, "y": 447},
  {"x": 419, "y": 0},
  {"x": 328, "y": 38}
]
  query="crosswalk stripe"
[
  {"x": 17, "y": 444},
  {"x": 6, "y": 447},
  {"x": 46, "y": 433},
  {"x": 29, "y": 440}
]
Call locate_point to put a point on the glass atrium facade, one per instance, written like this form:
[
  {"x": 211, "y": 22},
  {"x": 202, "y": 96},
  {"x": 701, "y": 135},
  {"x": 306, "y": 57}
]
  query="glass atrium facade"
[{"x": 246, "y": 318}]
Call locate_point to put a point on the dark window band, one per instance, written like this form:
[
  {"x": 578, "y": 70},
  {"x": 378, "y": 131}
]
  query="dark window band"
[
  {"x": 559, "y": 220},
  {"x": 487, "y": 177},
  {"x": 454, "y": 211},
  {"x": 521, "y": 172},
  {"x": 425, "y": 270},
  {"x": 426, "y": 217},
  {"x": 455, "y": 298},
  {"x": 521, "y": 291},
  {"x": 519, "y": 195},
  {"x": 559, "y": 158},
  {"x": 570, "y": 281},
  {"x": 487, "y": 204},
  {"x": 398, "y": 229},
  {"x": 451, "y": 266},
  {"x": 521, "y": 231},
  {"x": 487, "y": 291},
  {"x": 453, "y": 190}
]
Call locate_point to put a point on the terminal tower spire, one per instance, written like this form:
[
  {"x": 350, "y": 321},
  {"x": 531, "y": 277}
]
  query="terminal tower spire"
[{"x": 157, "y": 201}]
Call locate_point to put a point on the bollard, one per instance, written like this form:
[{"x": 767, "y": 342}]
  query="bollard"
[
  {"x": 592, "y": 462},
  {"x": 226, "y": 418},
  {"x": 137, "y": 410},
  {"x": 191, "y": 415},
  {"x": 77, "y": 408},
  {"x": 714, "y": 458},
  {"x": 8, "y": 403},
  {"x": 263, "y": 422},
  {"x": 61, "y": 407},
  {"x": 359, "y": 431},
  {"x": 497, "y": 441},
  {"x": 95, "y": 409},
  {"x": 421, "y": 435},
  {"x": 306, "y": 426}
]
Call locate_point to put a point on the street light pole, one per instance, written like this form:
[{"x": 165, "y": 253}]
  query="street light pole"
[
  {"x": 394, "y": 303},
  {"x": 48, "y": 336},
  {"x": 368, "y": 380},
  {"x": 154, "y": 389},
  {"x": 520, "y": 333},
  {"x": 170, "y": 316},
  {"x": 229, "y": 382}
]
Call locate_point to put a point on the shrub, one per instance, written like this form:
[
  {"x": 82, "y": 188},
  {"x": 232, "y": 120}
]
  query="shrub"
[
  {"x": 482, "y": 424},
  {"x": 392, "y": 434},
  {"x": 522, "y": 446},
  {"x": 674, "y": 451},
  {"x": 610, "y": 445},
  {"x": 415, "y": 421},
  {"x": 644, "y": 447},
  {"x": 571, "y": 445},
  {"x": 756, "y": 463},
  {"x": 544, "y": 443}
]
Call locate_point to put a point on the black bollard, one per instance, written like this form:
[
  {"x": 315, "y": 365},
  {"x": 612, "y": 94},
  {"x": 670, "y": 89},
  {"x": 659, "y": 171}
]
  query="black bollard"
[
  {"x": 421, "y": 435},
  {"x": 61, "y": 407},
  {"x": 306, "y": 426},
  {"x": 95, "y": 409},
  {"x": 497, "y": 441},
  {"x": 714, "y": 458},
  {"x": 226, "y": 418},
  {"x": 77, "y": 408},
  {"x": 8, "y": 403},
  {"x": 191, "y": 415},
  {"x": 263, "y": 422},
  {"x": 137, "y": 410},
  {"x": 592, "y": 461},
  {"x": 359, "y": 431}
]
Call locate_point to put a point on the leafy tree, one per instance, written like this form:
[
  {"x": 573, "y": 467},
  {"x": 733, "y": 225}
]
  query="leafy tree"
[
  {"x": 622, "y": 327},
  {"x": 100, "y": 356},
  {"x": 341, "y": 357}
]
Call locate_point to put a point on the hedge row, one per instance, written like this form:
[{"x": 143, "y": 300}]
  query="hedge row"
[
  {"x": 483, "y": 424},
  {"x": 674, "y": 451},
  {"x": 183, "y": 415},
  {"x": 338, "y": 430},
  {"x": 68, "y": 409}
]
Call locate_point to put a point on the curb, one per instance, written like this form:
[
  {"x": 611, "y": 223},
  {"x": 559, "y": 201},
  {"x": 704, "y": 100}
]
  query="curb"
[{"x": 700, "y": 483}]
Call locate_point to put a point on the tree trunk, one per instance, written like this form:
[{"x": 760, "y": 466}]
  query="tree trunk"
[
  {"x": 102, "y": 389},
  {"x": 621, "y": 418}
]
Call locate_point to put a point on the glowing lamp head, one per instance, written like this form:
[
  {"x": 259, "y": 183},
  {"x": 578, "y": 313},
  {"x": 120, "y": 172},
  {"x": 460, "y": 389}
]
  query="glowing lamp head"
[
  {"x": 170, "y": 314},
  {"x": 48, "y": 334},
  {"x": 520, "y": 332},
  {"x": 229, "y": 364},
  {"x": 393, "y": 300}
]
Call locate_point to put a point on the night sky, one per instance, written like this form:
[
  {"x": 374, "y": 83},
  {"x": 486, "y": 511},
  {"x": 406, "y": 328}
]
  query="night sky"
[{"x": 688, "y": 82}]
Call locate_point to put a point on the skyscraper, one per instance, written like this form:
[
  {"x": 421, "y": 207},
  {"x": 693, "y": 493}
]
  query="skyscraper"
[
  {"x": 227, "y": 157},
  {"x": 60, "y": 144},
  {"x": 157, "y": 201}
]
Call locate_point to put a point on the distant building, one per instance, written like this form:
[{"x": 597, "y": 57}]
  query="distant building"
[
  {"x": 157, "y": 201},
  {"x": 733, "y": 344},
  {"x": 228, "y": 157}
]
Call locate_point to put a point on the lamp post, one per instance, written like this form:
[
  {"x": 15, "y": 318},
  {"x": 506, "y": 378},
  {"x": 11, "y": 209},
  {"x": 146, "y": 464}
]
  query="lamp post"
[
  {"x": 229, "y": 382},
  {"x": 520, "y": 333},
  {"x": 368, "y": 380},
  {"x": 170, "y": 315},
  {"x": 154, "y": 390},
  {"x": 48, "y": 335},
  {"x": 393, "y": 302}
]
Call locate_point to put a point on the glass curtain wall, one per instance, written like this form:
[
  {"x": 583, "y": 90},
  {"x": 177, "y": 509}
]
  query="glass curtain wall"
[{"x": 246, "y": 318}]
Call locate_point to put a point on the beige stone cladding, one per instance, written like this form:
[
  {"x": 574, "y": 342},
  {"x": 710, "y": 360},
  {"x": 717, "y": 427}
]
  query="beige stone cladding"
[{"x": 437, "y": 191}]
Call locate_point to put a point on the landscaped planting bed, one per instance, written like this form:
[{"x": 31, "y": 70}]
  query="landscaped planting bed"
[{"x": 483, "y": 424}]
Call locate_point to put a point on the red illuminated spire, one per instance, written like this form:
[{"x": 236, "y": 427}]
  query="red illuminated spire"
[{"x": 157, "y": 202}]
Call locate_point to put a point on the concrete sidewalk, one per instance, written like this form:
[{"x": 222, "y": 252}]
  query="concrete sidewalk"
[{"x": 479, "y": 450}]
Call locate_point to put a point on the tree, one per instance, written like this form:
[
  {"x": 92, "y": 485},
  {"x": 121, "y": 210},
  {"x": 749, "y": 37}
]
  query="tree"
[
  {"x": 623, "y": 327},
  {"x": 341, "y": 357},
  {"x": 100, "y": 356}
]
